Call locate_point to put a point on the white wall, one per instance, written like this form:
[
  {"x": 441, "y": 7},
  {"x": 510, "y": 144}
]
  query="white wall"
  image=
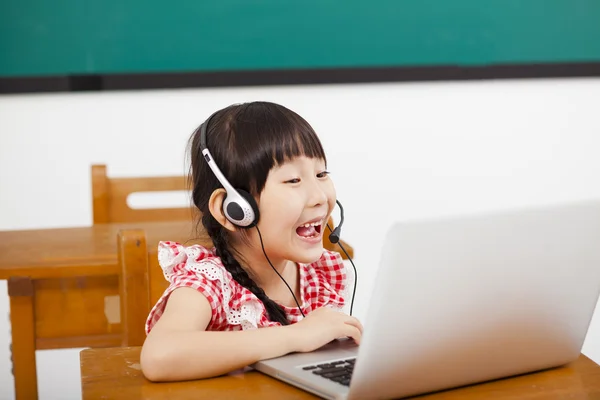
[{"x": 429, "y": 148}]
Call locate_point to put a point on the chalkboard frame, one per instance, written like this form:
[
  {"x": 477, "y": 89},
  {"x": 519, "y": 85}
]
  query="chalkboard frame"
[{"x": 110, "y": 82}]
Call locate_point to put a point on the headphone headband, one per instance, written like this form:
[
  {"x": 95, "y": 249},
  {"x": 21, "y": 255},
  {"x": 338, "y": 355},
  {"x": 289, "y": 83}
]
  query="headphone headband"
[
  {"x": 239, "y": 206},
  {"x": 203, "y": 129}
]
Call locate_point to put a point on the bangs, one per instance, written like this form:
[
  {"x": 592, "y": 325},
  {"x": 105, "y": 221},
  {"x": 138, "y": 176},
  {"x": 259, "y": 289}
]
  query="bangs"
[
  {"x": 261, "y": 136},
  {"x": 286, "y": 146}
]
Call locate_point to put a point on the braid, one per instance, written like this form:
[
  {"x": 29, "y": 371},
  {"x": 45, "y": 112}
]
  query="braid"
[{"x": 217, "y": 234}]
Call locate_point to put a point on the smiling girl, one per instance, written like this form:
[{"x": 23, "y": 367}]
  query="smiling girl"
[{"x": 268, "y": 287}]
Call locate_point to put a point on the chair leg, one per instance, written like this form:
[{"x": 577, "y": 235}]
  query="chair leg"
[{"x": 20, "y": 291}]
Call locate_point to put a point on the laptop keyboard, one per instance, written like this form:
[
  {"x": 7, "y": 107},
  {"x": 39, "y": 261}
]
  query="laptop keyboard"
[{"x": 337, "y": 371}]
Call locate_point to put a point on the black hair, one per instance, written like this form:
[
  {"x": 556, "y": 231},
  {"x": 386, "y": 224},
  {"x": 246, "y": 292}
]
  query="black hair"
[{"x": 246, "y": 142}]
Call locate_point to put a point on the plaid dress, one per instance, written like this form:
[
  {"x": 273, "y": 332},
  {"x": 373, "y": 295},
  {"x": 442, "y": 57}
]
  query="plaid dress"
[{"x": 322, "y": 283}]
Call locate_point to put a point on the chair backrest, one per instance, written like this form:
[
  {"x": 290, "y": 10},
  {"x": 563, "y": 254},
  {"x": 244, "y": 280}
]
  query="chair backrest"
[
  {"x": 141, "y": 281},
  {"x": 140, "y": 284},
  {"x": 110, "y": 198}
]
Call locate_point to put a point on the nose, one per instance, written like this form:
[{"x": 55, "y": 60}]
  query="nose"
[{"x": 317, "y": 195}]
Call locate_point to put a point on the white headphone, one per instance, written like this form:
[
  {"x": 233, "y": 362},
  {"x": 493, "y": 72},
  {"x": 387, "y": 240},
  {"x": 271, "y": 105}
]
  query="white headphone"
[{"x": 239, "y": 206}]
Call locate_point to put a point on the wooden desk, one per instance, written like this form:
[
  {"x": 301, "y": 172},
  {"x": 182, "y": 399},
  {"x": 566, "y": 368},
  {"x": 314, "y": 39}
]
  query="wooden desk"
[
  {"x": 63, "y": 288},
  {"x": 115, "y": 373}
]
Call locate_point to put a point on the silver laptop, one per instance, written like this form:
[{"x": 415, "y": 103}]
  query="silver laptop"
[{"x": 464, "y": 300}]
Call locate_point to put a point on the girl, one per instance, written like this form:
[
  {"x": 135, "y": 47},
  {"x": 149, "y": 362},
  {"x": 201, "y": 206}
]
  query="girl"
[{"x": 263, "y": 291}]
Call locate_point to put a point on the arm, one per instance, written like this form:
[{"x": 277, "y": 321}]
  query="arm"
[{"x": 179, "y": 348}]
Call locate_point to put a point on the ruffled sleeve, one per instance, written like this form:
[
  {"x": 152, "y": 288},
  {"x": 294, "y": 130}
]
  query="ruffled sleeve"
[
  {"x": 200, "y": 269},
  {"x": 181, "y": 266},
  {"x": 330, "y": 288}
]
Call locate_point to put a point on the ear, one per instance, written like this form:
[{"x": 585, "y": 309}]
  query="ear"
[{"x": 215, "y": 206}]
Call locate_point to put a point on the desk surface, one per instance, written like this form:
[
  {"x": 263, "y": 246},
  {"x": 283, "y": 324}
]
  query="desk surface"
[
  {"x": 86, "y": 251},
  {"x": 51, "y": 253},
  {"x": 115, "y": 373}
]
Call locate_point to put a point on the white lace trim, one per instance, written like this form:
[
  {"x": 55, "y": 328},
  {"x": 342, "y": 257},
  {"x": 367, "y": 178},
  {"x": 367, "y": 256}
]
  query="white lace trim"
[{"x": 247, "y": 316}]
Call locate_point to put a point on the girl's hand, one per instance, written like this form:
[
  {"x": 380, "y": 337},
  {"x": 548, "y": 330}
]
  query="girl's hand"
[{"x": 322, "y": 326}]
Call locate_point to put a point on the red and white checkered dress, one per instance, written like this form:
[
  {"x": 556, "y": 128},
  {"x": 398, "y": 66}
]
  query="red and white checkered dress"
[{"x": 322, "y": 283}]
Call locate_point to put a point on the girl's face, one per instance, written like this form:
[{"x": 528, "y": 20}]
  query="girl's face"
[{"x": 294, "y": 206}]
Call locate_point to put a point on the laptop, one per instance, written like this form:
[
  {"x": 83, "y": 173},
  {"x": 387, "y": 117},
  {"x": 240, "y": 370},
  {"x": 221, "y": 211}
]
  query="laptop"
[{"x": 463, "y": 300}]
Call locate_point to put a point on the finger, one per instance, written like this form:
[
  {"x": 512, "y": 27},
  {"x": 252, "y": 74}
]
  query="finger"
[
  {"x": 354, "y": 322},
  {"x": 353, "y": 332}
]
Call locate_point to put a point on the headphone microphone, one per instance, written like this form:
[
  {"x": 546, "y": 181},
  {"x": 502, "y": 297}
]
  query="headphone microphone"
[{"x": 334, "y": 236}]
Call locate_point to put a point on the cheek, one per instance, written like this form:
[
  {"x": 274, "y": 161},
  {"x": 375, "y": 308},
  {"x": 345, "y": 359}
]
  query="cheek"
[
  {"x": 280, "y": 213},
  {"x": 331, "y": 195}
]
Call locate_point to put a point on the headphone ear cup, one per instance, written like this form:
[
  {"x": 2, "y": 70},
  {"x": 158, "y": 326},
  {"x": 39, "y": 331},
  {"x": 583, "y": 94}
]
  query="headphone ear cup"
[
  {"x": 252, "y": 203},
  {"x": 241, "y": 209}
]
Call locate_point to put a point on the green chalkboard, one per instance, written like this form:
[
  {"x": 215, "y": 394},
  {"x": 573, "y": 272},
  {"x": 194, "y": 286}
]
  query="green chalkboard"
[{"x": 64, "y": 37}]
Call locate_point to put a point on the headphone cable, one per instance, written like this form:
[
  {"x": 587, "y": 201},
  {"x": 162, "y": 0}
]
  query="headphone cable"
[
  {"x": 278, "y": 274},
  {"x": 288, "y": 286},
  {"x": 353, "y": 267}
]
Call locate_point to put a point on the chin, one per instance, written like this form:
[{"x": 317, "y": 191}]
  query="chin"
[{"x": 309, "y": 255}]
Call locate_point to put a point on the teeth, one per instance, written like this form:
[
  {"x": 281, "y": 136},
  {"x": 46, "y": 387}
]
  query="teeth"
[{"x": 312, "y": 224}]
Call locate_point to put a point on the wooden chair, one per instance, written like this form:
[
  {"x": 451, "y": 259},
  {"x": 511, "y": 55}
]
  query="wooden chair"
[
  {"x": 110, "y": 198},
  {"x": 141, "y": 282}
]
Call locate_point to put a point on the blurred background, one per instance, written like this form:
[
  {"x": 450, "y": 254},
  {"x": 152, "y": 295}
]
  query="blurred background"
[{"x": 435, "y": 107}]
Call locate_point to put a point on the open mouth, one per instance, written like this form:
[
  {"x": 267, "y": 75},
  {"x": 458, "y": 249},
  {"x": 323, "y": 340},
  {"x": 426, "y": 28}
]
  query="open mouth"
[{"x": 310, "y": 230}]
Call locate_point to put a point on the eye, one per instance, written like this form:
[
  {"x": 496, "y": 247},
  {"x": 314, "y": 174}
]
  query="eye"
[
  {"x": 323, "y": 174},
  {"x": 295, "y": 180}
]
